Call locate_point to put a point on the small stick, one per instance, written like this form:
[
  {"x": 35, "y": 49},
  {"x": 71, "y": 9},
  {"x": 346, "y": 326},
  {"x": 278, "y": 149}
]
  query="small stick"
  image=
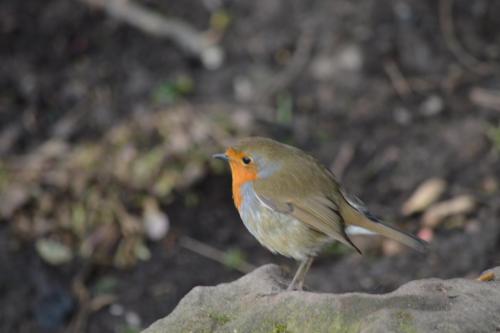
[
  {"x": 485, "y": 98},
  {"x": 343, "y": 159},
  {"x": 150, "y": 22},
  {"x": 400, "y": 84},
  {"x": 297, "y": 63},
  {"x": 212, "y": 253},
  {"x": 448, "y": 30}
]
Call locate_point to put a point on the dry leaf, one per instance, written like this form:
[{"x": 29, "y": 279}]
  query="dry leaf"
[
  {"x": 101, "y": 301},
  {"x": 11, "y": 199},
  {"x": 53, "y": 252},
  {"x": 156, "y": 223},
  {"x": 427, "y": 234},
  {"x": 391, "y": 247},
  {"x": 95, "y": 189},
  {"x": 425, "y": 195},
  {"x": 437, "y": 213},
  {"x": 486, "y": 276}
]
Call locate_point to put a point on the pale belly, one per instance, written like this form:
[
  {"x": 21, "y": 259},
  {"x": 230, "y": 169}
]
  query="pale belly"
[{"x": 280, "y": 233}]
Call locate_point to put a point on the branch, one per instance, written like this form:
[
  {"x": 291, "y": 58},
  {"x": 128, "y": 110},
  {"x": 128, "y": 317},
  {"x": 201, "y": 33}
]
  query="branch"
[
  {"x": 485, "y": 98},
  {"x": 465, "y": 59},
  {"x": 398, "y": 81},
  {"x": 152, "y": 23},
  {"x": 214, "y": 254},
  {"x": 298, "y": 62}
]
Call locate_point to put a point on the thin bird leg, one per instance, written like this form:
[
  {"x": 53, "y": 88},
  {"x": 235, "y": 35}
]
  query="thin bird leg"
[{"x": 298, "y": 280}]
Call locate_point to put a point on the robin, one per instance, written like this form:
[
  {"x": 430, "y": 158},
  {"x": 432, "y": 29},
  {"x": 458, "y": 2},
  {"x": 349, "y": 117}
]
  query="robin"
[{"x": 294, "y": 206}]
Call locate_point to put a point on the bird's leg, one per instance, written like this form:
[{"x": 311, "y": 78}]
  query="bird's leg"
[{"x": 298, "y": 280}]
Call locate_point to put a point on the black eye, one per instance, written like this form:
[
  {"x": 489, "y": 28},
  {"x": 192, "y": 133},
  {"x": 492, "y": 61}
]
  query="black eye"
[{"x": 246, "y": 160}]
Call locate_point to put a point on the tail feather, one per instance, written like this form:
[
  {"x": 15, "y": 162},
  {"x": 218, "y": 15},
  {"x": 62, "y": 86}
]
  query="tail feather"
[{"x": 357, "y": 215}]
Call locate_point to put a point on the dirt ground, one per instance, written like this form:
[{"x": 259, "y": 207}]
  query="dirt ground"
[{"x": 387, "y": 93}]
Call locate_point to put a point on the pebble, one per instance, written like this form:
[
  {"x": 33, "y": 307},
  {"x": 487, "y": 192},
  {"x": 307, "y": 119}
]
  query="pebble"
[
  {"x": 349, "y": 59},
  {"x": 132, "y": 319},
  {"x": 432, "y": 106},
  {"x": 243, "y": 89},
  {"x": 402, "y": 116},
  {"x": 116, "y": 310},
  {"x": 156, "y": 223}
]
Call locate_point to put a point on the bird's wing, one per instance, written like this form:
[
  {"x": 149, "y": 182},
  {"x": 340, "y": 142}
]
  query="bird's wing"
[{"x": 316, "y": 211}]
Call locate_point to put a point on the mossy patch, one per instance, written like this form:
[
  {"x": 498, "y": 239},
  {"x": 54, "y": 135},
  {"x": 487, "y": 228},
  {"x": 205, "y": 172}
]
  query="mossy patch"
[
  {"x": 220, "y": 319},
  {"x": 280, "y": 328},
  {"x": 493, "y": 134},
  {"x": 404, "y": 321}
]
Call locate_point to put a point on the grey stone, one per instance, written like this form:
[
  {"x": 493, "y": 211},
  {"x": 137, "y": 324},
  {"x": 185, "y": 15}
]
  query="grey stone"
[{"x": 257, "y": 302}]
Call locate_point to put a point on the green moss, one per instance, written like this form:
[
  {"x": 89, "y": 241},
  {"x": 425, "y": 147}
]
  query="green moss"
[
  {"x": 340, "y": 325},
  {"x": 4, "y": 176},
  {"x": 220, "y": 20},
  {"x": 405, "y": 322},
  {"x": 322, "y": 322},
  {"x": 234, "y": 258},
  {"x": 280, "y": 328},
  {"x": 493, "y": 134},
  {"x": 172, "y": 91},
  {"x": 220, "y": 319},
  {"x": 284, "y": 109},
  {"x": 147, "y": 165}
]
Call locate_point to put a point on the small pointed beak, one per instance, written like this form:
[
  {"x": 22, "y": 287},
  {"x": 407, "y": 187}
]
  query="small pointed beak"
[{"x": 221, "y": 157}]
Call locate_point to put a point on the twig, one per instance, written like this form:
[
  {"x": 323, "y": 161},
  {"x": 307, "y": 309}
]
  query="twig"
[
  {"x": 485, "y": 98},
  {"x": 400, "y": 84},
  {"x": 422, "y": 85},
  {"x": 344, "y": 157},
  {"x": 212, "y": 253},
  {"x": 9, "y": 137},
  {"x": 79, "y": 320},
  {"x": 460, "y": 205},
  {"x": 296, "y": 64},
  {"x": 150, "y": 22},
  {"x": 466, "y": 59},
  {"x": 67, "y": 125}
]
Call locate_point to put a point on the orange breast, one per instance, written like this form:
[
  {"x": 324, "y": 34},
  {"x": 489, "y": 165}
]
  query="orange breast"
[{"x": 241, "y": 174}]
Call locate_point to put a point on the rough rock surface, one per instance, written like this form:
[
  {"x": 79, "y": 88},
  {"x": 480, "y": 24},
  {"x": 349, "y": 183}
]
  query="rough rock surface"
[{"x": 258, "y": 303}]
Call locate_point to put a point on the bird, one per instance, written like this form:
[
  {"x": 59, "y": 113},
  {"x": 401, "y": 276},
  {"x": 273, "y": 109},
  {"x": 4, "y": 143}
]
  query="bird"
[{"x": 294, "y": 206}]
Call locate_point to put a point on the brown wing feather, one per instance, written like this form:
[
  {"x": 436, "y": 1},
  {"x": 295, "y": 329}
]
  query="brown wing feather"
[
  {"x": 306, "y": 190},
  {"x": 319, "y": 214}
]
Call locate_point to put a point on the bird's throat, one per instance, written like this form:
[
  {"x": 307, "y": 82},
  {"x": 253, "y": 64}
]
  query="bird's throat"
[{"x": 241, "y": 175}]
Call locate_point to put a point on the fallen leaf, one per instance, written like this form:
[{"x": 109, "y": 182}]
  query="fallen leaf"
[
  {"x": 486, "y": 276},
  {"x": 142, "y": 252},
  {"x": 425, "y": 195},
  {"x": 486, "y": 98},
  {"x": 100, "y": 242},
  {"x": 156, "y": 223},
  {"x": 101, "y": 301},
  {"x": 426, "y": 234},
  {"x": 234, "y": 258},
  {"x": 391, "y": 247},
  {"x": 439, "y": 212},
  {"x": 94, "y": 190},
  {"x": 53, "y": 252},
  {"x": 12, "y": 198},
  {"x": 489, "y": 185}
]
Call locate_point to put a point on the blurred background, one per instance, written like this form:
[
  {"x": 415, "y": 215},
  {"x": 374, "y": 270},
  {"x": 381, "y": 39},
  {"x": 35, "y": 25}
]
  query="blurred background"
[{"x": 110, "y": 207}]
